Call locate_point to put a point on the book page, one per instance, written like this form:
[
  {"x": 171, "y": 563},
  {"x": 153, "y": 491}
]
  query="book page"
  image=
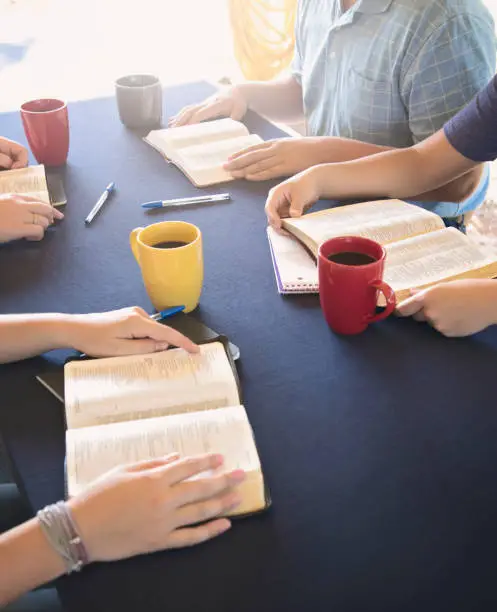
[
  {"x": 26, "y": 181},
  {"x": 169, "y": 141},
  {"x": 93, "y": 451},
  {"x": 432, "y": 258},
  {"x": 215, "y": 154},
  {"x": 385, "y": 221},
  {"x": 204, "y": 163},
  {"x": 100, "y": 391}
]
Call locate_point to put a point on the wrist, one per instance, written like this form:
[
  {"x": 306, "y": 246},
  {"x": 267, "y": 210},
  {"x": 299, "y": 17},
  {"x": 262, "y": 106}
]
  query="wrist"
[
  {"x": 241, "y": 94},
  {"x": 62, "y": 329},
  {"x": 319, "y": 178}
]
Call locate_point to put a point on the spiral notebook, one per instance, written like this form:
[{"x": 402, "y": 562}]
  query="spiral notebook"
[{"x": 295, "y": 269}]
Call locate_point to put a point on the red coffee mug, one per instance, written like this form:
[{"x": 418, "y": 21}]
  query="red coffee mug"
[
  {"x": 348, "y": 291},
  {"x": 46, "y": 124}
]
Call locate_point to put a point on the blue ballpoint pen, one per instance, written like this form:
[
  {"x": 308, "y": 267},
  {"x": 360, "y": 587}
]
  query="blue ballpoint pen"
[
  {"x": 169, "y": 312},
  {"x": 219, "y": 197},
  {"x": 100, "y": 202}
]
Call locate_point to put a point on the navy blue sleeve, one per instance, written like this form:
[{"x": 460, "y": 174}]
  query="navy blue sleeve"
[{"x": 473, "y": 131}]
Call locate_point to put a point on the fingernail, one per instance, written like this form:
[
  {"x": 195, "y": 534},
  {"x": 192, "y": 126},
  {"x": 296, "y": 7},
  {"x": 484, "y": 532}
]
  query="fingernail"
[
  {"x": 161, "y": 346},
  {"x": 237, "y": 476},
  {"x": 224, "y": 526}
]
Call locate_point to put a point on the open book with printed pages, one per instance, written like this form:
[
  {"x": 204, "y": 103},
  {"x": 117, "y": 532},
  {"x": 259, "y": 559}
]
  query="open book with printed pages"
[
  {"x": 121, "y": 410},
  {"x": 200, "y": 150},
  {"x": 33, "y": 181},
  {"x": 421, "y": 251}
]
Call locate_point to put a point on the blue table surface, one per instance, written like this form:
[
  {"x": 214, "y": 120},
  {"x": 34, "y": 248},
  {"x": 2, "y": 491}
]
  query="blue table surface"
[{"x": 380, "y": 450}]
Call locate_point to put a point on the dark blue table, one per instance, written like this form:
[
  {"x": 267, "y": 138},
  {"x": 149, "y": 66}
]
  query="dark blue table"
[{"x": 380, "y": 450}]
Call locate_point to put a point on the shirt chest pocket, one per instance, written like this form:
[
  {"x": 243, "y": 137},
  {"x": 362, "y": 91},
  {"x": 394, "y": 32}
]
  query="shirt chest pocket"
[{"x": 371, "y": 109}]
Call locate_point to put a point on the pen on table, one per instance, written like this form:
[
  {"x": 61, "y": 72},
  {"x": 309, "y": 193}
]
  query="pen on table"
[
  {"x": 100, "y": 202},
  {"x": 219, "y": 197},
  {"x": 159, "y": 316},
  {"x": 169, "y": 312}
]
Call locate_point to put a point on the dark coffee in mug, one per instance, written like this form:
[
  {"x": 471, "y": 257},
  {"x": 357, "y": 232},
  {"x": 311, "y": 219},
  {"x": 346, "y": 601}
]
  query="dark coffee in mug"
[
  {"x": 170, "y": 244},
  {"x": 351, "y": 258}
]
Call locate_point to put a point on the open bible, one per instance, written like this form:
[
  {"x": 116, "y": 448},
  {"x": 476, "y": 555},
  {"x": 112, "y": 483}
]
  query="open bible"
[
  {"x": 33, "y": 181},
  {"x": 200, "y": 150},
  {"x": 125, "y": 409},
  {"x": 421, "y": 251}
]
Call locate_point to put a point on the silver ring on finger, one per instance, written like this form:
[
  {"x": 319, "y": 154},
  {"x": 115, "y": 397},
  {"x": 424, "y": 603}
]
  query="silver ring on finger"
[{"x": 35, "y": 218}]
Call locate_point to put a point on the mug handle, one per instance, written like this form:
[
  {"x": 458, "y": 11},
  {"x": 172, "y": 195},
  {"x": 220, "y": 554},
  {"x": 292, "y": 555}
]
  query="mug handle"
[
  {"x": 390, "y": 298},
  {"x": 133, "y": 241}
]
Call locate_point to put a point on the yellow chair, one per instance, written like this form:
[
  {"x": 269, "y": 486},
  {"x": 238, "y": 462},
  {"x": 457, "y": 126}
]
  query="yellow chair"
[{"x": 263, "y": 33}]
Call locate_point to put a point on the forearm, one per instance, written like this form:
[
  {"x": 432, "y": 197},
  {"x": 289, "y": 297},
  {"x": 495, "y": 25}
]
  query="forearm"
[
  {"x": 23, "y": 336},
  {"x": 332, "y": 150},
  {"x": 399, "y": 173},
  {"x": 26, "y": 561},
  {"x": 279, "y": 100}
]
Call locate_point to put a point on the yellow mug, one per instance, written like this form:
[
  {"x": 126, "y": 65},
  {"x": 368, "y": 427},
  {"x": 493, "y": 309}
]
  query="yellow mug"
[{"x": 171, "y": 261}]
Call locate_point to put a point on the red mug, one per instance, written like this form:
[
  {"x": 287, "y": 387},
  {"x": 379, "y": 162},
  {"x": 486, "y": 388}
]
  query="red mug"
[
  {"x": 350, "y": 278},
  {"x": 46, "y": 124}
]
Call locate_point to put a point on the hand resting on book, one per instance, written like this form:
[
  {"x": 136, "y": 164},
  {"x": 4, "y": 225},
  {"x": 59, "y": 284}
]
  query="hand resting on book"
[
  {"x": 164, "y": 505},
  {"x": 275, "y": 158},
  {"x": 224, "y": 103},
  {"x": 23, "y": 216},
  {"x": 134, "y": 509},
  {"x": 458, "y": 308},
  {"x": 292, "y": 197},
  {"x": 120, "y": 332}
]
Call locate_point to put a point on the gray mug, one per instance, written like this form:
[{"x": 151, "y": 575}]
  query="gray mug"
[{"x": 139, "y": 100}]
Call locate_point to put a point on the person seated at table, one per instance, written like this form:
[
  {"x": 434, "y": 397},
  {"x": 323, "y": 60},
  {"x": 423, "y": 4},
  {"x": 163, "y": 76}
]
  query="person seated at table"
[
  {"x": 368, "y": 76},
  {"x": 21, "y": 216},
  {"x": 139, "y": 508},
  {"x": 457, "y": 308}
]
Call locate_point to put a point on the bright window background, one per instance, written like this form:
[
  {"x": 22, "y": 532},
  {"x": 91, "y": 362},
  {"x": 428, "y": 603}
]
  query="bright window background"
[{"x": 76, "y": 48}]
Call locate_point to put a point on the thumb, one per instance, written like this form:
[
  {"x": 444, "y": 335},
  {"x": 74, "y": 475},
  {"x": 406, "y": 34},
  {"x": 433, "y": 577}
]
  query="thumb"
[
  {"x": 297, "y": 203},
  {"x": 412, "y": 305}
]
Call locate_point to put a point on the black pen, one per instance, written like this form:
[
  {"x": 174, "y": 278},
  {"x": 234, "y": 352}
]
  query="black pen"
[{"x": 100, "y": 202}]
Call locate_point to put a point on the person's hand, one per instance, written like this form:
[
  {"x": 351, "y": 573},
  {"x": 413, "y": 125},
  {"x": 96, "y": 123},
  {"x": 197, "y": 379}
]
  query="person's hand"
[
  {"x": 457, "y": 308},
  {"x": 121, "y": 332},
  {"x": 12, "y": 155},
  {"x": 274, "y": 158},
  {"x": 292, "y": 197},
  {"x": 225, "y": 103},
  {"x": 23, "y": 216},
  {"x": 151, "y": 505}
]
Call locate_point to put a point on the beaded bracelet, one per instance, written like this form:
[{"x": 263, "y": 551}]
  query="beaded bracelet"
[{"x": 60, "y": 530}]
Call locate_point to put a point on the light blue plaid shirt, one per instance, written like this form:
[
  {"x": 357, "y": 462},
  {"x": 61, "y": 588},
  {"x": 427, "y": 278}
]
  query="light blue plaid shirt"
[{"x": 390, "y": 72}]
